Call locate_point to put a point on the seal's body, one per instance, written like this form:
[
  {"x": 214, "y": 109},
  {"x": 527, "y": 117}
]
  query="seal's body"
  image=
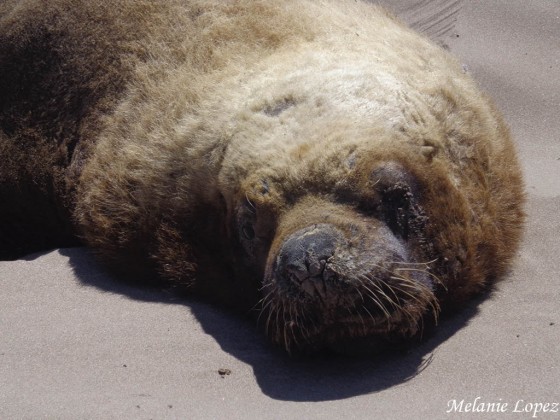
[{"x": 315, "y": 160}]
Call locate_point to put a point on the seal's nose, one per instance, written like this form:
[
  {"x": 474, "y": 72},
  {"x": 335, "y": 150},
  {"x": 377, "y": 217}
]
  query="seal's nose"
[{"x": 304, "y": 256}]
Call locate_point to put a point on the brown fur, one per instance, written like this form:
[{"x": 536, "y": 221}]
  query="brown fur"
[{"x": 191, "y": 139}]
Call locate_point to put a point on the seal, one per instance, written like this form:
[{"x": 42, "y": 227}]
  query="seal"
[{"x": 314, "y": 162}]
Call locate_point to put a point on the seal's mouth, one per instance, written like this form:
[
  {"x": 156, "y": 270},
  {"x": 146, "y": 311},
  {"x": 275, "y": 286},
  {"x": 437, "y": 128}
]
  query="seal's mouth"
[{"x": 326, "y": 289}]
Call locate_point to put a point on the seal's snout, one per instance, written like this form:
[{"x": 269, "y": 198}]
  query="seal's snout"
[
  {"x": 303, "y": 260},
  {"x": 351, "y": 279}
]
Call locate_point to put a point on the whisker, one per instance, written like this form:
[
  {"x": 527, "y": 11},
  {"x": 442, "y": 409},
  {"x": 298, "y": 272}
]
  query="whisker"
[
  {"x": 376, "y": 301},
  {"x": 261, "y": 300},
  {"x": 251, "y": 204},
  {"x": 432, "y": 275},
  {"x": 268, "y": 304},
  {"x": 273, "y": 310},
  {"x": 383, "y": 294},
  {"x": 369, "y": 313}
]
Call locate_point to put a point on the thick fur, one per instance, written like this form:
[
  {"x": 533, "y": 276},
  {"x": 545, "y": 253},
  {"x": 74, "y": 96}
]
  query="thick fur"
[{"x": 157, "y": 131}]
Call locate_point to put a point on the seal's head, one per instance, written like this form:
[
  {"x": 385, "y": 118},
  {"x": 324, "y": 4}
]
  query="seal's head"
[
  {"x": 343, "y": 266},
  {"x": 357, "y": 205}
]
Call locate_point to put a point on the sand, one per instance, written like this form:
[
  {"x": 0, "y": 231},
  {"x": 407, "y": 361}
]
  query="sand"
[{"x": 75, "y": 343}]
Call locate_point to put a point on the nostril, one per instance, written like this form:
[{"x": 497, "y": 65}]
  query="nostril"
[
  {"x": 309, "y": 266},
  {"x": 297, "y": 270},
  {"x": 315, "y": 265}
]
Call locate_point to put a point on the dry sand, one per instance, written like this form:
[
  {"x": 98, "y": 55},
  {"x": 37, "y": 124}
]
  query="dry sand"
[{"x": 76, "y": 344}]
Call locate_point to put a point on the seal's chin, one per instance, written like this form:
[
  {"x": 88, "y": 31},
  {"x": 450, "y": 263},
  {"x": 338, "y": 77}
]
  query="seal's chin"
[
  {"x": 367, "y": 325},
  {"x": 323, "y": 291}
]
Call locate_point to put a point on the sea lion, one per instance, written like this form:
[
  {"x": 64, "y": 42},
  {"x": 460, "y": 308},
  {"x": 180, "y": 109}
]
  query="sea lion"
[{"x": 313, "y": 161}]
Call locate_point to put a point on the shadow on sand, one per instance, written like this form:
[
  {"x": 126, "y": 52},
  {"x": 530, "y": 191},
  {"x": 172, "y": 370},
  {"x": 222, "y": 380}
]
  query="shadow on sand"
[{"x": 322, "y": 377}]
